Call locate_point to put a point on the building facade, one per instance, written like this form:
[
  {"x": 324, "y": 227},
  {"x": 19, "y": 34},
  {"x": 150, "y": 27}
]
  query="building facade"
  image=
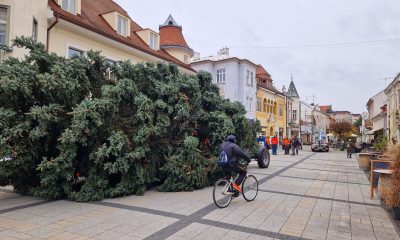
[
  {"x": 306, "y": 123},
  {"x": 270, "y": 106},
  {"x": 392, "y": 93},
  {"x": 235, "y": 78},
  {"x": 321, "y": 122},
  {"x": 293, "y": 120},
  {"x": 73, "y": 27},
  {"x": 21, "y": 18},
  {"x": 377, "y": 112}
]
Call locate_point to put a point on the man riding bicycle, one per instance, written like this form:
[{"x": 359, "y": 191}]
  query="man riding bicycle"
[{"x": 233, "y": 152}]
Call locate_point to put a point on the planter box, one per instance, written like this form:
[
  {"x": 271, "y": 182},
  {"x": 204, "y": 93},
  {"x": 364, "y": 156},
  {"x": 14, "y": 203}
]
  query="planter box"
[
  {"x": 364, "y": 161},
  {"x": 384, "y": 185}
]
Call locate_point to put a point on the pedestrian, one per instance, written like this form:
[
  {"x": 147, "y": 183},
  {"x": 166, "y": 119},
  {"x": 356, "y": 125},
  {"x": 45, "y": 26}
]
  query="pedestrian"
[
  {"x": 295, "y": 145},
  {"x": 286, "y": 145},
  {"x": 350, "y": 148},
  {"x": 267, "y": 143},
  {"x": 274, "y": 142}
]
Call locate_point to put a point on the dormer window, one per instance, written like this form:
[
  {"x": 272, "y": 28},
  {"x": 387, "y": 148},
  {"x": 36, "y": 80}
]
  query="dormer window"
[
  {"x": 153, "y": 41},
  {"x": 69, "y": 6},
  {"x": 122, "y": 26}
]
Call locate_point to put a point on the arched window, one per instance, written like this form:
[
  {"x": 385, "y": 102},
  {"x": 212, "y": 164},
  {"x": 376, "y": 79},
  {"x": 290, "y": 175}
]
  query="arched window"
[{"x": 265, "y": 105}]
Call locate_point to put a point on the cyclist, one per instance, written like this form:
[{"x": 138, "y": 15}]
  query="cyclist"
[{"x": 233, "y": 153}]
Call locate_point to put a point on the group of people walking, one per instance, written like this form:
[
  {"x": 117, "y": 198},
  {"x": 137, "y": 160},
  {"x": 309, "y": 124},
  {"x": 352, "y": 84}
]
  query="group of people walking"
[{"x": 288, "y": 144}]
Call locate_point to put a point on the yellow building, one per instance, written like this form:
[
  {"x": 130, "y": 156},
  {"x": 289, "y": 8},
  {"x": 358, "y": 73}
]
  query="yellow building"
[
  {"x": 73, "y": 27},
  {"x": 271, "y": 106},
  {"x": 21, "y": 18}
]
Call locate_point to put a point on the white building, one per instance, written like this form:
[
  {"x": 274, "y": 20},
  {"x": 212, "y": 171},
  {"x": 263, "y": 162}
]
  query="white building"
[
  {"x": 293, "y": 110},
  {"x": 377, "y": 114},
  {"x": 321, "y": 121},
  {"x": 235, "y": 77},
  {"x": 393, "y": 103},
  {"x": 306, "y": 122}
]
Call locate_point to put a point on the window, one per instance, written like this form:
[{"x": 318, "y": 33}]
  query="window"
[
  {"x": 251, "y": 78},
  {"x": 221, "y": 78},
  {"x": 69, "y": 6},
  {"x": 109, "y": 73},
  {"x": 258, "y": 105},
  {"x": 398, "y": 98},
  {"x": 3, "y": 25},
  {"x": 34, "y": 30},
  {"x": 248, "y": 77},
  {"x": 294, "y": 114},
  {"x": 123, "y": 26},
  {"x": 73, "y": 52},
  {"x": 265, "y": 107},
  {"x": 251, "y": 104},
  {"x": 154, "y": 41},
  {"x": 280, "y": 110}
]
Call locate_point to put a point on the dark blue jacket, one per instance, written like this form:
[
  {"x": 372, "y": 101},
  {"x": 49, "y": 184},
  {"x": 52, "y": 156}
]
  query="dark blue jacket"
[{"x": 233, "y": 152}]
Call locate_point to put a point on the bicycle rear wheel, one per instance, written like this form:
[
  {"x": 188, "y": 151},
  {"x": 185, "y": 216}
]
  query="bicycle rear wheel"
[
  {"x": 221, "y": 195},
  {"x": 250, "y": 188}
]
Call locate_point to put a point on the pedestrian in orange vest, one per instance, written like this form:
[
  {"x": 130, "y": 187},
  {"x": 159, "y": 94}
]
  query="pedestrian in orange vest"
[
  {"x": 274, "y": 143},
  {"x": 267, "y": 143},
  {"x": 286, "y": 145}
]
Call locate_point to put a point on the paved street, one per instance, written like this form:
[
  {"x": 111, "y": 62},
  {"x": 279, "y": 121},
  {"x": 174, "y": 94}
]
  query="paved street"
[{"x": 309, "y": 196}]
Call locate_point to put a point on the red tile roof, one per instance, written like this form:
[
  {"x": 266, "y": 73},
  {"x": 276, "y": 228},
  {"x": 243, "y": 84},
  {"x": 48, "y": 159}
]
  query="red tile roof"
[
  {"x": 264, "y": 79},
  {"x": 172, "y": 36},
  {"x": 91, "y": 19},
  {"x": 325, "y": 108}
]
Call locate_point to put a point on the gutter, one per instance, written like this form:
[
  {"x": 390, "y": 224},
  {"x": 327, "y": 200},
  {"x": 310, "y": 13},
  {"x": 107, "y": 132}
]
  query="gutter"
[{"x": 48, "y": 31}]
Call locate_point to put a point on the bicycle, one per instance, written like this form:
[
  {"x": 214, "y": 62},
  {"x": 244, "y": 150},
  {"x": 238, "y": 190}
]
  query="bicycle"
[{"x": 224, "y": 192}]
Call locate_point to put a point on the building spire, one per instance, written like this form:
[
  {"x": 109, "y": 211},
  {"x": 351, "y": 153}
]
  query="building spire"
[
  {"x": 170, "y": 22},
  {"x": 292, "y": 91}
]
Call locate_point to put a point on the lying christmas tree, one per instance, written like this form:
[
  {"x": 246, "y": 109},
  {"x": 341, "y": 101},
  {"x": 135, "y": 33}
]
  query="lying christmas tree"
[{"x": 68, "y": 132}]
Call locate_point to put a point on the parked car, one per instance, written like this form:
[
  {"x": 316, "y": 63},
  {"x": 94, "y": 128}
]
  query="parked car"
[{"x": 320, "y": 146}]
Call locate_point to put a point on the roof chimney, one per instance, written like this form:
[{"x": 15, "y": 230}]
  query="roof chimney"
[
  {"x": 196, "y": 56},
  {"x": 224, "y": 51}
]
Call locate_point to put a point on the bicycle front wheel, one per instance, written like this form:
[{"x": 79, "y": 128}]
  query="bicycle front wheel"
[
  {"x": 250, "y": 188},
  {"x": 221, "y": 194}
]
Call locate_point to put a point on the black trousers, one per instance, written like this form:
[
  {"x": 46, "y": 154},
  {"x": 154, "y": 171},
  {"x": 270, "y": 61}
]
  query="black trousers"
[{"x": 236, "y": 169}]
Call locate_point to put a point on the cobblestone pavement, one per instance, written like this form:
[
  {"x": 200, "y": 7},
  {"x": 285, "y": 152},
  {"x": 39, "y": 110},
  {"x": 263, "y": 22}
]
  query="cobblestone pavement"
[{"x": 309, "y": 196}]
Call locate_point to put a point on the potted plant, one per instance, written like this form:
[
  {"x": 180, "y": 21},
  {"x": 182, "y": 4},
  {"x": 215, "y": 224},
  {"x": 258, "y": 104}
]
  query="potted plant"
[
  {"x": 393, "y": 199},
  {"x": 381, "y": 145}
]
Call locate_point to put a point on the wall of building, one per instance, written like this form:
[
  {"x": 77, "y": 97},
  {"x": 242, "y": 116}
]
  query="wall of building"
[
  {"x": 235, "y": 87},
  {"x": 247, "y": 93},
  {"x": 393, "y": 100},
  {"x": 271, "y": 123},
  {"x": 65, "y": 35},
  {"x": 179, "y": 54},
  {"x": 61, "y": 38},
  {"x": 378, "y": 101},
  {"x": 21, "y": 14}
]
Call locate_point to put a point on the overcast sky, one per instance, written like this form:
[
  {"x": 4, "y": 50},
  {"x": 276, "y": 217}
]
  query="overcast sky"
[{"x": 330, "y": 46}]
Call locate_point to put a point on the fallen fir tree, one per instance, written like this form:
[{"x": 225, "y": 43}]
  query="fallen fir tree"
[{"x": 61, "y": 120}]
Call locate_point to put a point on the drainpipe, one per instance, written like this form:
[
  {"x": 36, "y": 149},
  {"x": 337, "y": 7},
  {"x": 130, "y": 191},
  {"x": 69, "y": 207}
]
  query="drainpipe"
[{"x": 48, "y": 31}]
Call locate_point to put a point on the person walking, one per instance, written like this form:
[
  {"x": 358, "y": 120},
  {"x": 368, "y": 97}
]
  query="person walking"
[
  {"x": 274, "y": 142},
  {"x": 350, "y": 148},
  {"x": 286, "y": 145},
  {"x": 267, "y": 143},
  {"x": 295, "y": 145}
]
